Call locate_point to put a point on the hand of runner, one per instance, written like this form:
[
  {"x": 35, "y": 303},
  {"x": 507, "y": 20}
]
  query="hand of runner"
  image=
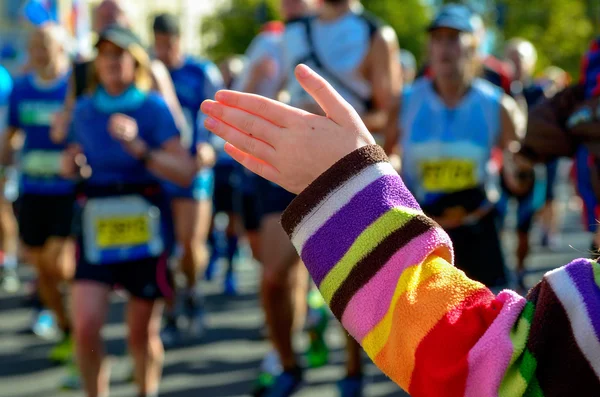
[
  {"x": 122, "y": 128},
  {"x": 285, "y": 145},
  {"x": 73, "y": 163},
  {"x": 60, "y": 127}
]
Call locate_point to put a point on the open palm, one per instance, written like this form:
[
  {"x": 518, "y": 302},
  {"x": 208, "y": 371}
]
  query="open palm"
[{"x": 286, "y": 145}]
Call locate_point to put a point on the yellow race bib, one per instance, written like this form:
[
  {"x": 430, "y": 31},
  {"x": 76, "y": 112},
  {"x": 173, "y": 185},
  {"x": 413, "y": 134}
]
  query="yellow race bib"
[
  {"x": 122, "y": 231},
  {"x": 448, "y": 175}
]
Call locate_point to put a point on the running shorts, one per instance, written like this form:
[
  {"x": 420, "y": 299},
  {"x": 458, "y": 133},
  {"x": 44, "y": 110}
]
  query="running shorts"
[
  {"x": 147, "y": 277},
  {"x": 478, "y": 252},
  {"x": 271, "y": 198},
  {"x": 202, "y": 187},
  {"x": 41, "y": 217},
  {"x": 224, "y": 188}
]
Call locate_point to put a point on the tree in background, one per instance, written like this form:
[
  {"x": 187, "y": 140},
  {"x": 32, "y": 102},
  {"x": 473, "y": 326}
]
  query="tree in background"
[
  {"x": 561, "y": 30},
  {"x": 232, "y": 27}
]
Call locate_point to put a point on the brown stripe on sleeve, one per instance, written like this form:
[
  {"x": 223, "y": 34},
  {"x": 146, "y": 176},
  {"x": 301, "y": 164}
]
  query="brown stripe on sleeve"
[
  {"x": 562, "y": 369},
  {"x": 328, "y": 182},
  {"x": 368, "y": 266}
]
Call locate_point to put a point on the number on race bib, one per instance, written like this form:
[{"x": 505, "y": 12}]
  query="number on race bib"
[
  {"x": 121, "y": 229},
  {"x": 448, "y": 175}
]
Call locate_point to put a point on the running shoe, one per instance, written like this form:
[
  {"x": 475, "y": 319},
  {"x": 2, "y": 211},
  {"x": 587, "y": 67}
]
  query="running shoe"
[
  {"x": 10, "y": 280},
  {"x": 43, "y": 324},
  {"x": 317, "y": 354},
  {"x": 196, "y": 319},
  {"x": 286, "y": 384},
  {"x": 211, "y": 268},
  {"x": 72, "y": 380},
  {"x": 170, "y": 334},
  {"x": 63, "y": 351},
  {"x": 230, "y": 285},
  {"x": 351, "y": 386},
  {"x": 270, "y": 369}
]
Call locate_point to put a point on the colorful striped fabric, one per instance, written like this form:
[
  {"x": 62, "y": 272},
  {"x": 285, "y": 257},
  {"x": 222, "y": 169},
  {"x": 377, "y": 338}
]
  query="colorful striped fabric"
[{"x": 386, "y": 271}]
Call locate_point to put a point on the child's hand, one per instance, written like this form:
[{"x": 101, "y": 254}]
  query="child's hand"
[{"x": 285, "y": 145}]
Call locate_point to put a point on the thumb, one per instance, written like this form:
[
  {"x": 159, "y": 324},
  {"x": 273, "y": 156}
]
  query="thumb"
[{"x": 332, "y": 103}]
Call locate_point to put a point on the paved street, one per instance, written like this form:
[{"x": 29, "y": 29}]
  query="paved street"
[{"x": 226, "y": 363}]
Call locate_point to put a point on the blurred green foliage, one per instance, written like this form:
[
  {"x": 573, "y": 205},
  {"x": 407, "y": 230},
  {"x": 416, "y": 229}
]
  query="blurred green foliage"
[{"x": 560, "y": 29}]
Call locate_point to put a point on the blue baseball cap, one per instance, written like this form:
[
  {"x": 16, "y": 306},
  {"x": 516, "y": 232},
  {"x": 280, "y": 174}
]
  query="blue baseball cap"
[{"x": 454, "y": 16}]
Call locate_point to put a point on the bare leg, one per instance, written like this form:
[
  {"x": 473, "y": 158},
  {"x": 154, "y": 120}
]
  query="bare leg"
[
  {"x": 143, "y": 321},
  {"x": 90, "y": 306}
]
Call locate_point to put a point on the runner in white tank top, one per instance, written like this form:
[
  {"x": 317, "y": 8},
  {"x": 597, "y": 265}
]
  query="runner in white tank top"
[{"x": 358, "y": 56}]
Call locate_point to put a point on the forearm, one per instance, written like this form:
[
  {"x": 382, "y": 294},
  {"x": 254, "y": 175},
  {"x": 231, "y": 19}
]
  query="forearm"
[
  {"x": 385, "y": 270},
  {"x": 376, "y": 120},
  {"x": 178, "y": 168}
]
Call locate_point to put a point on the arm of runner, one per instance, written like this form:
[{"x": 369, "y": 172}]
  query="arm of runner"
[
  {"x": 163, "y": 84},
  {"x": 386, "y": 270},
  {"x": 517, "y": 172},
  {"x": 165, "y": 157},
  {"x": 7, "y": 151},
  {"x": 59, "y": 129},
  {"x": 259, "y": 72},
  {"x": 385, "y": 78}
]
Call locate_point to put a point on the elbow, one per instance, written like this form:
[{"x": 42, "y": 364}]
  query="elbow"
[{"x": 187, "y": 175}]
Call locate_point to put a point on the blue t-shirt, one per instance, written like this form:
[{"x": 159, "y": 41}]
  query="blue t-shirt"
[
  {"x": 109, "y": 161},
  {"x": 32, "y": 106},
  {"x": 6, "y": 86},
  {"x": 195, "y": 81}
]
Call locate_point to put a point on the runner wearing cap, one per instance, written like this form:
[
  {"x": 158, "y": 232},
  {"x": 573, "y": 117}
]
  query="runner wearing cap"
[
  {"x": 125, "y": 227},
  {"x": 195, "y": 80},
  {"x": 106, "y": 13},
  {"x": 447, "y": 129}
]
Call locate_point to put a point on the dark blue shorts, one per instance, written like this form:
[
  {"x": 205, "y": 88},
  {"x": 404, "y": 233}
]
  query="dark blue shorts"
[
  {"x": 271, "y": 198},
  {"x": 202, "y": 187}
]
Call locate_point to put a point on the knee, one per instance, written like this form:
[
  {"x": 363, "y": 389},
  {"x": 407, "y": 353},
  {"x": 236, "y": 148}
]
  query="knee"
[
  {"x": 86, "y": 330},
  {"x": 275, "y": 281},
  {"x": 144, "y": 340}
]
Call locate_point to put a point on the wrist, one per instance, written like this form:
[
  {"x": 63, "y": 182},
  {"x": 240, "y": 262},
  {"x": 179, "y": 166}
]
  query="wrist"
[{"x": 139, "y": 150}]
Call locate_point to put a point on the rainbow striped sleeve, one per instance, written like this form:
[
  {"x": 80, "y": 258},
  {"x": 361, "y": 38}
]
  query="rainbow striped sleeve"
[{"x": 385, "y": 269}]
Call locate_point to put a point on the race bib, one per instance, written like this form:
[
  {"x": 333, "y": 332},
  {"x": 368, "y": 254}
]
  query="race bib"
[
  {"x": 41, "y": 163},
  {"x": 448, "y": 175},
  {"x": 120, "y": 229}
]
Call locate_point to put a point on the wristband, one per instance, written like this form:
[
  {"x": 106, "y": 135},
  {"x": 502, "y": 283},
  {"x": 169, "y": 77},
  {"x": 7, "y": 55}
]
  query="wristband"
[{"x": 146, "y": 156}]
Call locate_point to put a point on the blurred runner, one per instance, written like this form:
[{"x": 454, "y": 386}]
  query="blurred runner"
[
  {"x": 224, "y": 243},
  {"x": 195, "y": 80},
  {"x": 9, "y": 279},
  {"x": 106, "y": 13},
  {"x": 46, "y": 200},
  {"x": 126, "y": 231},
  {"x": 448, "y": 127},
  {"x": 359, "y": 56},
  {"x": 523, "y": 56}
]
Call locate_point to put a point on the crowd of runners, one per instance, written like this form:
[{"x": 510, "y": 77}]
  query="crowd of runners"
[{"x": 112, "y": 180}]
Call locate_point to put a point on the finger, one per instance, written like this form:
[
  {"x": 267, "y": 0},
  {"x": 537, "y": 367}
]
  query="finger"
[
  {"x": 270, "y": 110},
  {"x": 326, "y": 96},
  {"x": 245, "y": 142},
  {"x": 246, "y": 122},
  {"x": 252, "y": 163}
]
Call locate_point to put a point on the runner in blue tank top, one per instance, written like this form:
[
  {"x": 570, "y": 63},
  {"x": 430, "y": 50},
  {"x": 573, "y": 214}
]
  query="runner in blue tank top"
[
  {"x": 448, "y": 128},
  {"x": 195, "y": 80},
  {"x": 46, "y": 199},
  {"x": 125, "y": 234}
]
